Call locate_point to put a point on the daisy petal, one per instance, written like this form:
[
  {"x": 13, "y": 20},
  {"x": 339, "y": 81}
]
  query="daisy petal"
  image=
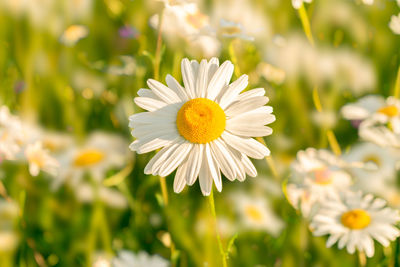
[{"x": 248, "y": 146}]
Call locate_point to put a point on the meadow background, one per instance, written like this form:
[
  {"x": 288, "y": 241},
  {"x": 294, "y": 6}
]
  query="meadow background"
[{"x": 86, "y": 86}]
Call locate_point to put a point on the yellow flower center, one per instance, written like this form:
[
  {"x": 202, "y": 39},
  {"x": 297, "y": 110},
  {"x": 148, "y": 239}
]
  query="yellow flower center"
[
  {"x": 197, "y": 20},
  {"x": 372, "y": 158},
  {"x": 389, "y": 111},
  {"x": 356, "y": 219},
  {"x": 201, "y": 120},
  {"x": 323, "y": 176},
  {"x": 253, "y": 213},
  {"x": 231, "y": 30},
  {"x": 88, "y": 157}
]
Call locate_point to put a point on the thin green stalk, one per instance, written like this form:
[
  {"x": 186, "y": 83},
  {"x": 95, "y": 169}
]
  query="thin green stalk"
[
  {"x": 316, "y": 98},
  {"x": 232, "y": 55},
  {"x": 157, "y": 57},
  {"x": 214, "y": 214},
  {"x": 397, "y": 85}
]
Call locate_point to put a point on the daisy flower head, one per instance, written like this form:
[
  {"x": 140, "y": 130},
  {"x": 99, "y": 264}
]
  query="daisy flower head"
[
  {"x": 231, "y": 29},
  {"x": 203, "y": 128},
  {"x": 100, "y": 153},
  {"x": 317, "y": 175},
  {"x": 39, "y": 159},
  {"x": 354, "y": 221},
  {"x": 394, "y": 23},
  {"x": 256, "y": 214}
]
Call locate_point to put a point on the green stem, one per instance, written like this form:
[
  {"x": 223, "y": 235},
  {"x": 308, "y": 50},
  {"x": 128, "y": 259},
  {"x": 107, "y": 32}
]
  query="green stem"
[
  {"x": 214, "y": 214},
  {"x": 397, "y": 85},
  {"x": 157, "y": 58}
]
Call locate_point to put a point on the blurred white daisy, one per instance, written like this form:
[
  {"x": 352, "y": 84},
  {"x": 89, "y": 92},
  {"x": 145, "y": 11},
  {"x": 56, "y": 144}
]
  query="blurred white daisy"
[
  {"x": 297, "y": 3},
  {"x": 317, "y": 175},
  {"x": 363, "y": 108},
  {"x": 256, "y": 214},
  {"x": 231, "y": 29},
  {"x": 73, "y": 34},
  {"x": 394, "y": 24},
  {"x": 101, "y": 152},
  {"x": 271, "y": 73},
  {"x": 183, "y": 21},
  {"x": 354, "y": 221},
  {"x": 204, "y": 128},
  {"x": 127, "y": 258},
  {"x": 379, "y": 170},
  {"x": 12, "y": 134},
  {"x": 39, "y": 159},
  {"x": 87, "y": 193}
]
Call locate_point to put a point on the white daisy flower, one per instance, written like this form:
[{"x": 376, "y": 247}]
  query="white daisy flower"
[
  {"x": 297, "y": 3},
  {"x": 394, "y": 24},
  {"x": 231, "y": 29},
  {"x": 127, "y": 258},
  {"x": 256, "y": 214},
  {"x": 100, "y": 153},
  {"x": 87, "y": 193},
  {"x": 363, "y": 108},
  {"x": 204, "y": 128},
  {"x": 73, "y": 34},
  {"x": 378, "y": 172},
  {"x": 40, "y": 159},
  {"x": 317, "y": 175},
  {"x": 354, "y": 221}
]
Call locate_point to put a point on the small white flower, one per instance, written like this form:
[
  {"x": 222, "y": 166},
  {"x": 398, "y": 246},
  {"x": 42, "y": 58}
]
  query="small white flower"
[
  {"x": 100, "y": 153},
  {"x": 204, "y": 128},
  {"x": 271, "y": 73},
  {"x": 297, "y": 3},
  {"x": 394, "y": 24},
  {"x": 73, "y": 34},
  {"x": 40, "y": 159},
  {"x": 378, "y": 173},
  {"x": 256, "y": 214},
  {"x": 317, "y": 175},
  {"x": 354, "y": 221},
  {"x": 127, "y": 258},
  {"x": 363, "y": 108},
  {"x": 230, "y": 29}
]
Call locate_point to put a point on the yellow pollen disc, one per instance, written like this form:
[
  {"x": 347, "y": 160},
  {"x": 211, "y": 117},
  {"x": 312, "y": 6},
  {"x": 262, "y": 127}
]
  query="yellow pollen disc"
[
  {"x": 356, "y": 219},
  {"x": 372, "y": 159},
  {"x": 201, "y": 120},
  {"x": 253, "y": 213},
  {"x": 88, "y": 157},
  {"x": 389, "y": 111},
  {"x": 197, "y": 20},
  {"x": 323, "y": 176}
]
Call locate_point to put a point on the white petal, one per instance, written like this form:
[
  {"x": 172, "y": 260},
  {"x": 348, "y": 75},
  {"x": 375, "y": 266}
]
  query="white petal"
[
  {"x": 248, "y": 130},
  {"x": 219, "y": 80},
  {"x": 251, "y": 93},
  {"x": 147, "y": 93},
  {"x": 248, "y": 166},
  {"x": 188, "y": 78},
  {"x": 205, "y": 178},
  {"x": 248, "y": 146},
  {"x": 176, "y": 87},
  {"x": 213, "y": 65},
  {"x": 201, "y": 83},
  {"x": 246, "y": 105},
  {"x": 148, "y": 103},
  {"x": 195, "y": 161},
  {"x": 154, "y": 164},
  {"x": 224, "y": 159},
  {"x": 179, "y": 181},
  {"x": 233, "y": 91},
  {"x": 176, "y": 158},
  {"x": 213, "y": 168},
  {"x": 163, "y": 92}
]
